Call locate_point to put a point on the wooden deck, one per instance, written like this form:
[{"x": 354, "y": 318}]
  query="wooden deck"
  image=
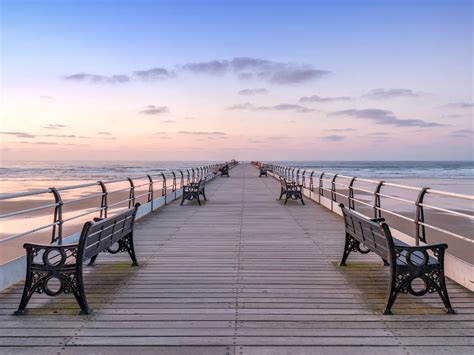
[{"x": 242, "y": 274}]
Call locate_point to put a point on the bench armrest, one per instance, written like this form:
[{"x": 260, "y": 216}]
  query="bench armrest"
[
  {"x": 431, "y": 247},
  {"x": 49, "y": 246},
  {"x": 378, "y": 220},
  {"x": 39, "y": 254},
  {"x": 437, "y": 250}
]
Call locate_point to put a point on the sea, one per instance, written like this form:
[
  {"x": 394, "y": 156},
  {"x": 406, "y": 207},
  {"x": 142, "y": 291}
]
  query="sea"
[{"x": 454, "y": 176}]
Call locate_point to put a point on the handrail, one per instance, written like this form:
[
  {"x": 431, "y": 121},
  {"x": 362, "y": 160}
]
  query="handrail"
[
  {"x": 328, "y": 183},
  {"x": 147, "y": 184}
]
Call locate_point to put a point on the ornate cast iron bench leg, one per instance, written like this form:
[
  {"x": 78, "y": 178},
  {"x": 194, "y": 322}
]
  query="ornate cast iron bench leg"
[
  {"x": 126, "y": 244},
  {"x": 38, "y": 276},
  {"x": 401, "y": 277}
]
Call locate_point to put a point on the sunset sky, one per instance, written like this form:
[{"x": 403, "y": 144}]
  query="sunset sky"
[{"x": 213, "y": 80}]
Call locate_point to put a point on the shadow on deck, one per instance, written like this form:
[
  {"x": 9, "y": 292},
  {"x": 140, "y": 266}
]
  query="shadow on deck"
[{"x": 242, "y": 274}]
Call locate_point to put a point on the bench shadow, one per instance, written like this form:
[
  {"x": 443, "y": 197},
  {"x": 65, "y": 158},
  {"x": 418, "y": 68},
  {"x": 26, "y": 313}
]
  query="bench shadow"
[
  {"x": 102, "y": 281},
  {"x": 370, "y": 280}
]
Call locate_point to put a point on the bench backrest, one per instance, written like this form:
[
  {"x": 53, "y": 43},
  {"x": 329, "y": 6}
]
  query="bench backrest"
[
  {"x": 202, "y": 183},
  {"x": 283, "y": 182},
  {"x": 373, "y": 235},
  {"x": 98, "y": 236}
]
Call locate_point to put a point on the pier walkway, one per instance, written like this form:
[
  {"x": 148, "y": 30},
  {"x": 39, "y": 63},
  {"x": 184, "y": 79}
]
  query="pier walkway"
[{"x": 242, "y": 274}]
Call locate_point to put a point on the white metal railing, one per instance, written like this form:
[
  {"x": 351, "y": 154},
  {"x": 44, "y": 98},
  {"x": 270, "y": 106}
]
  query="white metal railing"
[
  {"x": 174, "y": 179},
  {"x": 344, "y": 186}
]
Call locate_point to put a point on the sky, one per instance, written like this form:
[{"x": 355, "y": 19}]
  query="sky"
[{"x": 250, "y": 80}]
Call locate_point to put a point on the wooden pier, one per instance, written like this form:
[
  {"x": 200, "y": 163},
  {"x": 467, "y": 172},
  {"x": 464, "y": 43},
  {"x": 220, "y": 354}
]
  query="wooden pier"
[{"x": 242, "y": 274}]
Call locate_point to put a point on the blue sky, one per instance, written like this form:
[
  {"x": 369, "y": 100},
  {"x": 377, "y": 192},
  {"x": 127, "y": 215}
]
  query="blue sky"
[{"x": 374, "y": 62}]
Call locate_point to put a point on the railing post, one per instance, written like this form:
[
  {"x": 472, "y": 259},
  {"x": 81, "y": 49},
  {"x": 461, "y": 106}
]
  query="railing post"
[
  {"x": 351, "y": 194},
  {"x": 150, "y": 191},
  {"x": 311, "y": 184},
  {"x": 131, "y": 196},
  {"x": 181, "y": 183},
  {"x": 303, "y": 178},
  {"x": 377, "y": 204},
  {"x": 420, "y": 217},
  {"x": 297, "y": 176},
  {"x": 193, "y": 179},
  {"x": 187, "y": 178},
  {"x": 163, "y": 189},
  {"x": 321, "y": 186},
  {"x": 333, "y": 192},
  {"x": 58, "y": 217},
  {"x": 293, "y": 174},
  {"x": 174, "y": 183},
  {"x": 103, "y": 202}
]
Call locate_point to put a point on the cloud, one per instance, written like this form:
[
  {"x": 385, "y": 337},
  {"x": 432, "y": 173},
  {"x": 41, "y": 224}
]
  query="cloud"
[
  {"x": 385, "y": 117},
  {"x": 190, "y": 118},
  {"x": 248, "y": 68},
  {"x": 46, "y": 97},
  {"x": 154, "y": 110},
  {"x": 333, "y": 138},
  {"x": 248, "y": 92},
  {"x": 463, "y": 133},
  {"x": 378, "y": 134},
  {"x": 104, "y": 133},
  {"x": 169, "y": 121},
  {"x": 340, "y": 129},
  {"x": 381, "y": 94},
  {"x": 153, "y": 74},
  {"x": 28, "y": 135},
  {"x": 280, "y": 107},
  {"x": 19, "y": 134},
  {"x": 245, "y": 68},
  {"x": 51, "y": 143},
  {"x": 316, "y": 98},
  {"x": 460, "y": 105},
  {"x": 451, "y": 116},
  {"x": 200, "y": 133},
  {"x": 54, "y": 126},
  {"x": 213, "y": 67},
  {"x": 98, "y": 79},
  {"x": 63, "y": 136}
]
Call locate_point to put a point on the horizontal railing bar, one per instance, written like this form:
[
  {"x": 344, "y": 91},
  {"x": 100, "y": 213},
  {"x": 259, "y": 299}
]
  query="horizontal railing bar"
[
  {"x": 448, "y": 211},
  {"x": 395, "y": 214},
  {"x": 120, "y": 202},
  {"x": 402, "y": 186},
  {"x": 447, "y": 232},
  {"x": 67, "y": 202},
  {"x": 24, "y": 194},
  {"x": 28, "y": 210},
  {"x": 363, "y": 190},
  {"x": 16, "y": 236},
  {"x": 362, "y": 202},
  {"x": 120, "y": 190},
  {"x": 450, "y": 194},
  {"x": 83, "y": 214},
  {"x": 81, "y": 186},
  {"x": 143, "y": 194},
  {"x": 396, "y": 198}
]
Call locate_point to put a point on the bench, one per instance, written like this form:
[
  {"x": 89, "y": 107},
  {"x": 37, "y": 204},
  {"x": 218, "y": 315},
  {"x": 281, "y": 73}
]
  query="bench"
[
  {"x": 407, "y": 263},
  {"x": 57, "y": 269},
  {"x": 263, "y": 172},
  {"x": 194, "y": 190},
  {"x": 291, "y": 190},
  {"x": 224, "y": 171}
]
